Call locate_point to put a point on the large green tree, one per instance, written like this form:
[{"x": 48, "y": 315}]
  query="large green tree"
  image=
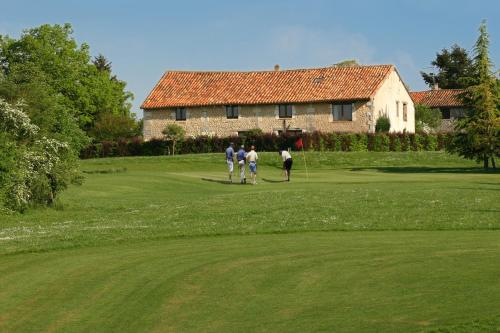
[
  {"x": 58, "y": 81},
  {"x": 478, "y": 134},
  {"x": 454, "y": 69}
]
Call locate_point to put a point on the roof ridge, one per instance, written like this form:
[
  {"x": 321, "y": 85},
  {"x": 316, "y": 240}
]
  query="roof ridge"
[
  {"x": 273, "y": 71},
  {"x": 440, "y": 89}
]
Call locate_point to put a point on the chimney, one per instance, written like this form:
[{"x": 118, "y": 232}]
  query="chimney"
[
  {"x": 435, "y": 86},
  {"x": 276, "y": 67}
]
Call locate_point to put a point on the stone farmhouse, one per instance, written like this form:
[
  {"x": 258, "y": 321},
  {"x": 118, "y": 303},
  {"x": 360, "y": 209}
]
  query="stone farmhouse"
[
  {"x": 330, "y": 99},
  {"x": 446, "y": 100}
]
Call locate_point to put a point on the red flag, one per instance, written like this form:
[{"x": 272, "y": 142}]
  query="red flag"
[{"x": 299, "y": 144}]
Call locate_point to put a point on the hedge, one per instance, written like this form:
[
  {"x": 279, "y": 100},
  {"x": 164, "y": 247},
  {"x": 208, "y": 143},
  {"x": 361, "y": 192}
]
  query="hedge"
[{"x": 315, "y": 141}]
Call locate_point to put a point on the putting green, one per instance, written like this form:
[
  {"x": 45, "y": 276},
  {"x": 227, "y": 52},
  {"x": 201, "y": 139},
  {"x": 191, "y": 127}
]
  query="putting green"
[{"x": 324, "y": 282}]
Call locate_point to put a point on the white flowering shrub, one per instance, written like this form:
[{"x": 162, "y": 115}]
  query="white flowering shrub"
[
  {"x": 15, "y": 122},
  {"x": 38, "y": 169}
]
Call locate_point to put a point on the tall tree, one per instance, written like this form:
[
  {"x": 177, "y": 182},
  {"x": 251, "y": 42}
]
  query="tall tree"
[
  {"x": 102, "y": 64},
  {"x": 47, "y": 68},
  {"x": 454, "y": 69},
  {"x": 478, "y": 134}
]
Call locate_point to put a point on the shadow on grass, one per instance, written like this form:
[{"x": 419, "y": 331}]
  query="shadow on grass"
[
  {"x": 220, "y": 181},
  {"x": 273, "y": 180},
  {"x": 430, "y": 170}
]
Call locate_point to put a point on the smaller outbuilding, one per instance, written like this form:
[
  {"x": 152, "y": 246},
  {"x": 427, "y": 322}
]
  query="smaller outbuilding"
[{"x": 446, "y": 100}]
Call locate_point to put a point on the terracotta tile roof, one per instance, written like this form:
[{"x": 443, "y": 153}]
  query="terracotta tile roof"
[
  {"x": 438, "y": 98},
  {"x": 182, "y": 88}
]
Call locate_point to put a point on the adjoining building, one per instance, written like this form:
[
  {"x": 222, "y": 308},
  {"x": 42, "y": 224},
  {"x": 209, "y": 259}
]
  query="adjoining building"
[
  {"x": 446, "y": 100},
  {"x": 330, "y": 99}
]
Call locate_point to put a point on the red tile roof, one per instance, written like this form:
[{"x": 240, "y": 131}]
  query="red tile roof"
[
  {"x": 438, "y": 98},
  {"x": 183, "y": 88}
]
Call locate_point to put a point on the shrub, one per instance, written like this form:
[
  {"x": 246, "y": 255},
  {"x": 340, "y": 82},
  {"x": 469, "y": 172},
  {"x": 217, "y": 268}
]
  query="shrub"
[
  {"x": 427, "y": 117},
  {"x": 383, "y": 124}
]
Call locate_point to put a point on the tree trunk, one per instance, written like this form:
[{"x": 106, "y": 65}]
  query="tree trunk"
[
  {"x": 493, "y": 162},
  {"x": 485, "y": 161},
  {"x": 173, "y": 148}
]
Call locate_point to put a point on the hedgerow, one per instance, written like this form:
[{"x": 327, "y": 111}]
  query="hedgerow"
[{"x": 315, "y": 141}]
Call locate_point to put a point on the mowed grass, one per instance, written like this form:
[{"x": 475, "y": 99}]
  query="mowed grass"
[{"x": 368, "y": 242}]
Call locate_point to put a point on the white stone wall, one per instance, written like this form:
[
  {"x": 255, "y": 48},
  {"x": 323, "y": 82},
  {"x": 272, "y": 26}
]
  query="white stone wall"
[{"x": 389, "y": 95}]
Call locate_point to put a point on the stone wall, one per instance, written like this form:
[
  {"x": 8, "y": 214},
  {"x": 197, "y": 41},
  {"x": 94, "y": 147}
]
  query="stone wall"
[
  {"x": 389, "y": 101},
  {"x": 212, "y": 120}
]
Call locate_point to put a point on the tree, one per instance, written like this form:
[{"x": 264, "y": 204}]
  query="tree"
[
  {"x": 426, "y": 116},
  {"x": 478, "y": 134},
  {"x": 174, "y": 133},
  {"x": 47, "y": 68},
  {"x": 455, "y": 69},
  {"x": 111, "y": 127},
  {"x": 347, "y": 63},
  {"x": 102, "y": 64}
]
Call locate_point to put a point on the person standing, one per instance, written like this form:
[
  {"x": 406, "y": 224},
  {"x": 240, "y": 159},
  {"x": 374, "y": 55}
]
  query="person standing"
[
  {"x": 241, "y": 157},
  {"x": 230, "y": 161},
  {"x": 252, "y": 158},
  {"x": 287, "y": 163}
]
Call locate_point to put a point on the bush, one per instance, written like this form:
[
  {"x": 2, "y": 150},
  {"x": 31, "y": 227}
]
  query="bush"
[
  {"x": 383, "y": 124},
  {"x": 427, "y": 117}
]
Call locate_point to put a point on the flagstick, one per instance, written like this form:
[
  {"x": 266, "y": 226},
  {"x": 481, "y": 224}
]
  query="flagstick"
[{"x": 305, "y": 164}]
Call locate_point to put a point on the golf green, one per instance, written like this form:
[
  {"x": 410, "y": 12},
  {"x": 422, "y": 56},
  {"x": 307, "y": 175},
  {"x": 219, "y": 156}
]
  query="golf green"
[{"x": 366, "y": 242}]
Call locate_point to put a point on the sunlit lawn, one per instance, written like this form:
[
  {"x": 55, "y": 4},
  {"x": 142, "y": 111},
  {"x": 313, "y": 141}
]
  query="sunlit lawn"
[{"x": 367, "y": 242}]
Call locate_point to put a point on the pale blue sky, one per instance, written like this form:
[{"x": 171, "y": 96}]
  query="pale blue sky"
[{"x": 145, "y": 38}]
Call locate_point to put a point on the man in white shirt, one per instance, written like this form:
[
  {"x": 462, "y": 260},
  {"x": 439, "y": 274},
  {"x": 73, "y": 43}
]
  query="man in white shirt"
[
  {"x": 252, "y": 158},
  {"x": 287, "y": 163}
]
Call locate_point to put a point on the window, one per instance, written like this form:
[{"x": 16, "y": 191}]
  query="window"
[
  {"x": 397, "y": 109},
  {"x": 180, "y": 114},
  {"x": 342, "y": 111},
  {"x": 446, "y": 113},
  {"x": 405, "y": 112},
  {"x": 285, "y": 111},
  {"x": 232, "y": 111}
]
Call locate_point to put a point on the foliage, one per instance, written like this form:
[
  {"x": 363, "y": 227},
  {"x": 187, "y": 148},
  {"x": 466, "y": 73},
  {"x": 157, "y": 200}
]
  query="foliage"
[
  {"x": 478, "y": 134},
  {"x": 111, "y": 127},
  {"x": 174, "y": 133},
  {"x": 58, "y": 82},
  {"x": 347, "y": 63},
  {"x": 427, "y": 117},
  {"x": 34, "y": 168},
  {"x": 455, "y": 69},
  {"x": 383, "y": 124}
]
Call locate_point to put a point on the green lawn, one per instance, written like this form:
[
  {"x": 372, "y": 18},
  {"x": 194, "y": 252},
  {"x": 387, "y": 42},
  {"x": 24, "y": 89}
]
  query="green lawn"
[{"x": 368, "y": 242}]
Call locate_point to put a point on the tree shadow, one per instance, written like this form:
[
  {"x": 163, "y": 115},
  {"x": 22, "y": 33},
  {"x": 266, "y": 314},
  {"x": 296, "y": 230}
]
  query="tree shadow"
[{"x": 467, "y": 170}]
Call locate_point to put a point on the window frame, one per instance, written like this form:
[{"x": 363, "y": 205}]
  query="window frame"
[
  {"x": 342, "y": 106},
  {"x": 232, "y": 111},
  {"x": 286, "y": 114},
  {"x": 180, "y": 114},
  {"x": 445, "y": 113},
  {"x": 405, "y": 111}
]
